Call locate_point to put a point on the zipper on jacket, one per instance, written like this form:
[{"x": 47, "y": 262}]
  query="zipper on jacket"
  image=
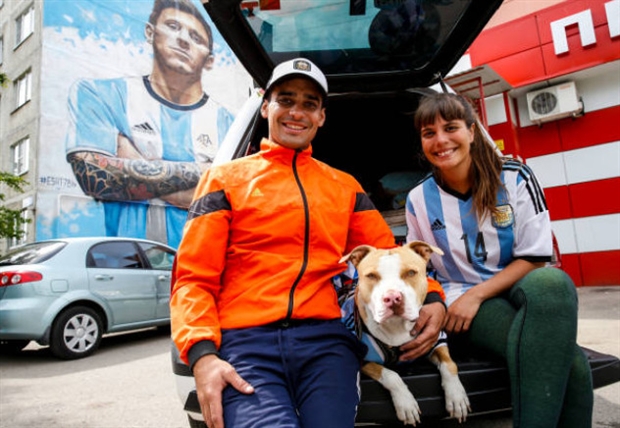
[{"x": 291, "y": 298}]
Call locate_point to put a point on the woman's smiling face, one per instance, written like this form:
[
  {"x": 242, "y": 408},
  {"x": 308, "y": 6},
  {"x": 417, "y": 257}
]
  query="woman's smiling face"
[{"x": 446, "y": 144}]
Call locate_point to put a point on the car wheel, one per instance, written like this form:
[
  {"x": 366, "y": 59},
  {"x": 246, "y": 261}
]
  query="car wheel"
[
  {"x": 196, "y": 424},
  {"x": 12, "y": 346},
  {"x": 76, "y": 333}
]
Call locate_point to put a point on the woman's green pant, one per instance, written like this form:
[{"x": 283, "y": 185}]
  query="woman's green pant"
[{"x": 534, "y": 327}]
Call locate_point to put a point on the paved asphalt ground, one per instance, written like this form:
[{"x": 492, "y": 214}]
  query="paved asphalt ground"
[
  {"x": 128, "y": 382},
  {"x": 599, "y": 329}
]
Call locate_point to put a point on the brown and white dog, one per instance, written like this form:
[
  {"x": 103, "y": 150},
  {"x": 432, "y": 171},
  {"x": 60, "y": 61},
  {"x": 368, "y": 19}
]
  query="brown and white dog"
[{"x": 392, "y": 285}]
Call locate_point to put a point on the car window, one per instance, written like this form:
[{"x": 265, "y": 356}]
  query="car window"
[
  {"x": 117, "y": 255},
  {"x": 339, "y": 35},
  {"x": 158, "y": 256},
  {"x": 32, "y": 253}
]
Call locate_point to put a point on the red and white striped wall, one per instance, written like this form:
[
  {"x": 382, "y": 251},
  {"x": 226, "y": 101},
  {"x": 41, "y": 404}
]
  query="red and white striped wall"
[{"x": 576, "y": 159}]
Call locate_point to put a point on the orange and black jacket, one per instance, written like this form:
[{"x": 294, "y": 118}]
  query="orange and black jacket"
[{"x": 263, "y": 241}]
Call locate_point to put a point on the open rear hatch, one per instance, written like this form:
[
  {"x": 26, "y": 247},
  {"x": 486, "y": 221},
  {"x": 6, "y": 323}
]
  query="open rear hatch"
[
  {"x": 361, "y": 45},
  {"x": 485, "y": 379}
]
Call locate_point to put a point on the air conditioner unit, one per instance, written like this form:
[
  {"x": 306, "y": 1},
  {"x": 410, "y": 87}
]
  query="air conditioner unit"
[{"x": 555, "y": 102}]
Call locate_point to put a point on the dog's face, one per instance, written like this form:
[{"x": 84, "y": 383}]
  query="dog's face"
[{"x": 391, "y": 288}]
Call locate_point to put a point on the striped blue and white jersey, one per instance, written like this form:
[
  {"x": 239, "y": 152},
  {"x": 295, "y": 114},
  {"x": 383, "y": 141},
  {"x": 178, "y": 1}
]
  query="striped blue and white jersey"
[
  {"x": 102, "y": 109},
  {"x": 476, "y": 249}
]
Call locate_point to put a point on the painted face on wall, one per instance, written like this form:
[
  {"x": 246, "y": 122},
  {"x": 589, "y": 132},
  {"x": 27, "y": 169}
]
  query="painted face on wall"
[{"x": 180, "y": 43}]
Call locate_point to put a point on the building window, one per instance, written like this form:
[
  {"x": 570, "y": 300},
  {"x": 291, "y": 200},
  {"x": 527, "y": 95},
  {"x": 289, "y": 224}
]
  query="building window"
[
  {"x": 13, "y": 242},
  {"x": 19, "y": 155},
  {"x": 1, "y": 48},
  {"x": 24, "y": 25},
  {"x": 23, "y": 89}
]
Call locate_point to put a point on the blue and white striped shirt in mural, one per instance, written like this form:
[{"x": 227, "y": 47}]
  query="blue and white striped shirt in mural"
[
  {"x": 102, "y": 109},
  {"x": 476, "y": 249}
]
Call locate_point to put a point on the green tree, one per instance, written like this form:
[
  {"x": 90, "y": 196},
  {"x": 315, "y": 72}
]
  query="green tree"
[
  {"x": 11, "y": 221},
  {"x": 3, "y": 80}
]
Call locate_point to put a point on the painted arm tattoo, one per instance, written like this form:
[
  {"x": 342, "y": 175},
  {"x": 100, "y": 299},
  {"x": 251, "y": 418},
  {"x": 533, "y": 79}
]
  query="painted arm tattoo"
[{"x": 117, "y": 179}]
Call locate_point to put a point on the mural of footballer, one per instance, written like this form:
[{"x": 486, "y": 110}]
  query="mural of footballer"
[{"x": 139, "y": 144}]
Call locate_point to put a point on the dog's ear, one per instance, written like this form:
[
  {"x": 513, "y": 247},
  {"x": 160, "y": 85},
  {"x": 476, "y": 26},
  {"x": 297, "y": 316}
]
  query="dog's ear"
[
  {"x": 424, "y": 249},
  {"x": 357, "y": 254}
]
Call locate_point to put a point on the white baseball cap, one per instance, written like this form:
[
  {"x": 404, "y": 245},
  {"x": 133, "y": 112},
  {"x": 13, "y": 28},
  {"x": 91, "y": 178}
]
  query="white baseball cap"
[{"x": 298, "y": 67}]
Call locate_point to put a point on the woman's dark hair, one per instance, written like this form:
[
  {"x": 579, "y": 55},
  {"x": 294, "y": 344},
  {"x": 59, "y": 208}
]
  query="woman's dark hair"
[
  {"x": 184, "y": 6},
  {"x": 486, "y": 165}
]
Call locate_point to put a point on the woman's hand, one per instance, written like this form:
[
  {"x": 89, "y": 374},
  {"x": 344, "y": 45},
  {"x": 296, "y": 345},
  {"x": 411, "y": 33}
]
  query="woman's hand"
[{"x": 461, "y": 312}]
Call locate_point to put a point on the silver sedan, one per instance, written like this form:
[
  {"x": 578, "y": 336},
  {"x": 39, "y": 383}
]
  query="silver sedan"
[{"x": 67, "y": 293}]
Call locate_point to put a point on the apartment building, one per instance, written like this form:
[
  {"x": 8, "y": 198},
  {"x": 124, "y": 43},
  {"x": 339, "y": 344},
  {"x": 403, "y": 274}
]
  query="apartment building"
[
  {"x": 20, "y": 61},
  {"x": 47, "y": 48}
]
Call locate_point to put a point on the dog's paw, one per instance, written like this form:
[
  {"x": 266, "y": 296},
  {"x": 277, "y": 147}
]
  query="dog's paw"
[
  {"x": 406, "y": 406},
  {"x": 407, "y": 409},
  {"x": 457, "y": 402}
]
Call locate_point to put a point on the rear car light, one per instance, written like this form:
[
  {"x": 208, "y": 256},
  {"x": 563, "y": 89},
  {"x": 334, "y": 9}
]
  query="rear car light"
[{"x": 14, "y": 278}]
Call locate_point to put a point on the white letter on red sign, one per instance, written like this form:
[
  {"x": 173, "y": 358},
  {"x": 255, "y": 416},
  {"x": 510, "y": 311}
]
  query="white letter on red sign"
[
  {"x": 584, "y": 24},
  {"x": 612, "y": 10}
]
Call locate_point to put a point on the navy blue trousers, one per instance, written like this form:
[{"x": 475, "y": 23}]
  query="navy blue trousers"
[{"x": 304, "y": 376}]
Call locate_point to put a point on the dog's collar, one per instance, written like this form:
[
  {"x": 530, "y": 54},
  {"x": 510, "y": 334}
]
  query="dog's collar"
[{"x": 390, "y": 353}]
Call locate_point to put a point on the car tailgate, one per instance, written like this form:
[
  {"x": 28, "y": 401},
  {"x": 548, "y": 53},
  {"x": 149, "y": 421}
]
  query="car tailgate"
[{"x": 486, "y": 382}]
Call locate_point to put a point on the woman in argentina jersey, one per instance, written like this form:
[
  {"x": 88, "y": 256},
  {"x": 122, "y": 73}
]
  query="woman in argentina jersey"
[{"x": 489, "y": 216}]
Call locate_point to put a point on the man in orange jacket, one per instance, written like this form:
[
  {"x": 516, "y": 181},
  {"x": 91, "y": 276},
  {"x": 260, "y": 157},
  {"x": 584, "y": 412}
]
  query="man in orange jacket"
[{"x": 253, "y": 308}]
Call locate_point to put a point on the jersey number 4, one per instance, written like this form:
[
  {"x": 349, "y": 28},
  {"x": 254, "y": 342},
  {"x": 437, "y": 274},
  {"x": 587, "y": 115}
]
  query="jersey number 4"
[{"x": 479, "y": 250}]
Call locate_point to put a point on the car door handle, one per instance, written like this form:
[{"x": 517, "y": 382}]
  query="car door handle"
[
  {"x": 104, "y": 277},
  {"x": 163, "y": 277}
]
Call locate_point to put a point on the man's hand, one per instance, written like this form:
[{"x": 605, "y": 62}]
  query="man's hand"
[
  {"x": 212, "y": 375},
  {"x": 426, "y": 331}
]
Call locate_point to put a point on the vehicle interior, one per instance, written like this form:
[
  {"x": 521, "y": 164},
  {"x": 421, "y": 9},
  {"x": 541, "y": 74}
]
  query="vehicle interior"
[{"x": 372, "y": 137}]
